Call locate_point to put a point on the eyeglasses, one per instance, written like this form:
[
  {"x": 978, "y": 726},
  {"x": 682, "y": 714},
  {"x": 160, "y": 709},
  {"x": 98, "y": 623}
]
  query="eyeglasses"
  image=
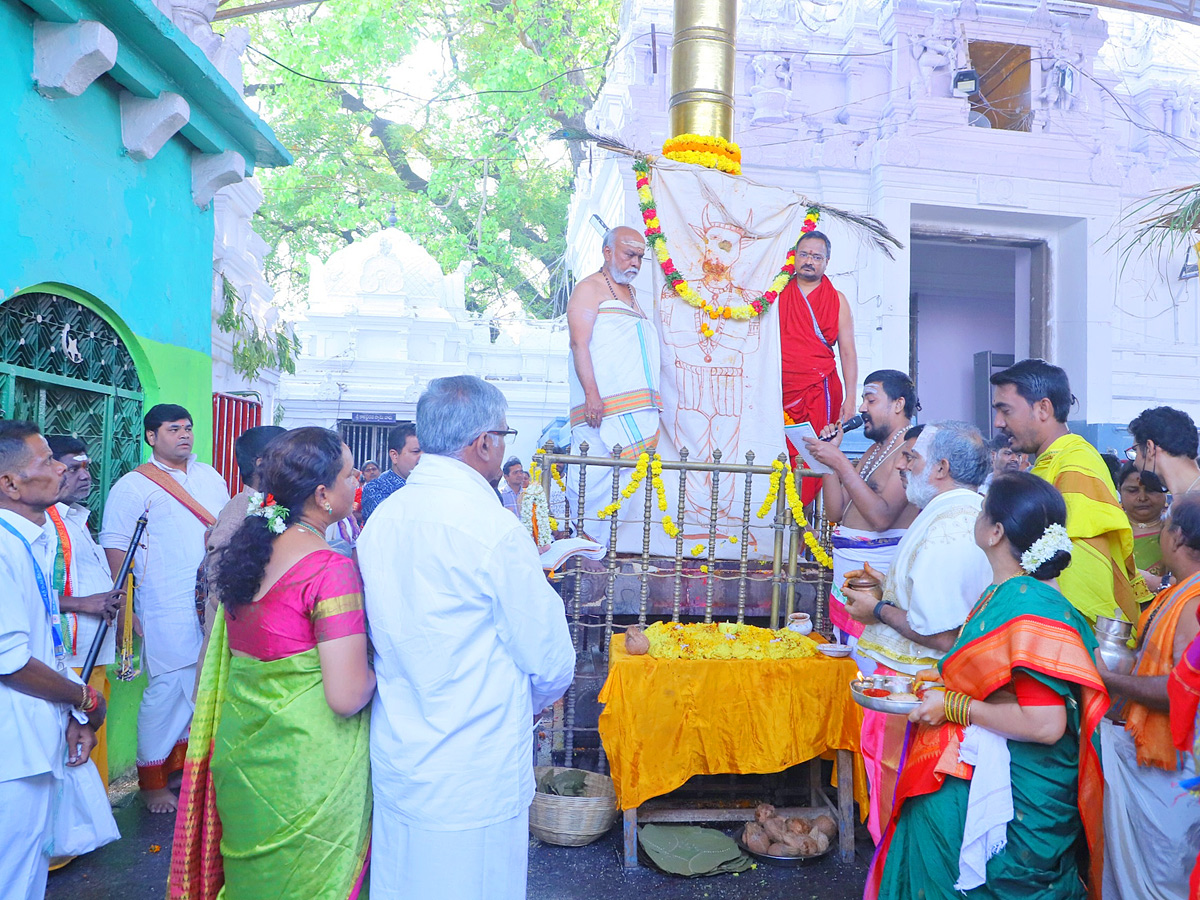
[
  {"x": 814, "y": 257},
  {"x": 503, "y": 435},
  {"x": 1131, "y": 453}
]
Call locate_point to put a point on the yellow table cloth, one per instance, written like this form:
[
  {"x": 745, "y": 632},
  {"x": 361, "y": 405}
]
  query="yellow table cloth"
[{"x": 665, "y": 720}]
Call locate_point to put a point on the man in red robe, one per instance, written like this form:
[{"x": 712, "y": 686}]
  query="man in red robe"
[{"x": 813, "y": 317}]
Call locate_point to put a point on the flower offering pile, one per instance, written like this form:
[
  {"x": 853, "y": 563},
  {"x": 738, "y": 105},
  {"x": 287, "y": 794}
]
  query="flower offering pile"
[{"x": 726, "y": 640}]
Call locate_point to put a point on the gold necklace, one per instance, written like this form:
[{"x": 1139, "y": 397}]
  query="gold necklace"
[
  {"x": 309, "y": 528},
  {"x": 987, "y": 598}
]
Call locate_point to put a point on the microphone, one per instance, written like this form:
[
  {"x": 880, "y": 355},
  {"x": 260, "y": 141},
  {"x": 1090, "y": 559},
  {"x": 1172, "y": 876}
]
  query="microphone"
[{"x": 848, "y": 425}]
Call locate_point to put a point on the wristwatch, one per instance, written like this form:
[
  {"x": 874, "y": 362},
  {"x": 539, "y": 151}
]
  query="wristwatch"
[{"x": 879, "y": 607}]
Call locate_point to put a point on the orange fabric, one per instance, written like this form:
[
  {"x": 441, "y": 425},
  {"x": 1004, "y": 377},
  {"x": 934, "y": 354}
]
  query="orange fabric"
[
  {"x": 175, "y": 489},
  {"x": 64, "y": 543},
  {"x": 1054, "y": 649},
  {"x": 665, "y": 720},
  {"x": 1151, "y": 729},
  {"x": 979, "y": 669}
]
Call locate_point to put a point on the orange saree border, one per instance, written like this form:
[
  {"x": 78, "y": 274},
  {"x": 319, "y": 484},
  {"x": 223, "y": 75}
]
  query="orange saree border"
[{"x": 981, "y": 667}]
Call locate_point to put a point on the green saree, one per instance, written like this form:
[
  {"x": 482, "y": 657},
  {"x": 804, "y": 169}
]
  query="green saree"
[
  {"x": 1022, "y": 626},
  {"x": 276, "y": 799}
]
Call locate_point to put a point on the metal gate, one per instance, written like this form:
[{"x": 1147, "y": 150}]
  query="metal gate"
[
  {"x": 65, "y": 368},
  {"x": 367, "y": 441},
  {"x": 232, "y": 415}
]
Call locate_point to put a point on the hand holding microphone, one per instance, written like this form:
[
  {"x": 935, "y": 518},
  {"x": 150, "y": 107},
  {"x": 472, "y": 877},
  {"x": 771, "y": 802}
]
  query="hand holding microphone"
[{"x": 829, "y": 432}]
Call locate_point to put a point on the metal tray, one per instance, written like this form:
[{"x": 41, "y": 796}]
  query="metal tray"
[
  {"x": 883, "y": 704},
  {"x": 786, "y": 862}
]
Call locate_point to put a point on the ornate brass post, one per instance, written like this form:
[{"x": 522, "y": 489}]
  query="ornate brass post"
[{"x": 702, "y": 65}]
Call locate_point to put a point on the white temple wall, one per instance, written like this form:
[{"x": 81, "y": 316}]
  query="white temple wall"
[{"x": 839, "y": 109}]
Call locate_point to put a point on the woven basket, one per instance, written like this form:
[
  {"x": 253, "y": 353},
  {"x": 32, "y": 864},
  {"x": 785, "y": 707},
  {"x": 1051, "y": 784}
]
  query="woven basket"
[{"x": 573, "y": 821}]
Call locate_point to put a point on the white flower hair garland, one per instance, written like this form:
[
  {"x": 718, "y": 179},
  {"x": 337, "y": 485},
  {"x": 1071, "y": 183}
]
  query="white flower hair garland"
[
  {"x": 1053, "y": 540},
  {"x": 264, "y": 505}
]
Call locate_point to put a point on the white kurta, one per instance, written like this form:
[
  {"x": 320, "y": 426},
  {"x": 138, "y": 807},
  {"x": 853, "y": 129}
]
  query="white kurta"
[
  {"x": 470, "y": 641},
  {"x": 165, "y": 569},
  {"x": 90, "y": 574},
  {"x": 1151, "y": 825},
  {"x": 32, "y": 731},
  {"x": 938, "y": 575}
]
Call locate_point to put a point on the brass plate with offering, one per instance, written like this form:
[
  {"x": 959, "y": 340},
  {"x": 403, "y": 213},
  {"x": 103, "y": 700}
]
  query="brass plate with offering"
[{"x": 895, "y": 694}]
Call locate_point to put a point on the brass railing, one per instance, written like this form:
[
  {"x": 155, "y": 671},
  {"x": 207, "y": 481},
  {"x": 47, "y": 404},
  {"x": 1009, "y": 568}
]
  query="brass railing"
[{"x": 788, "y": 568}]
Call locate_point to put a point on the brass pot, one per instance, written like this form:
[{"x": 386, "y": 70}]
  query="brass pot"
[{"x": 865, "y": 583}]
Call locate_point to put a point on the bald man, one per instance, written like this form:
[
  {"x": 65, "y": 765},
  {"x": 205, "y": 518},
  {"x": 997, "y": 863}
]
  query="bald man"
[{"x": 613, "y": 371}]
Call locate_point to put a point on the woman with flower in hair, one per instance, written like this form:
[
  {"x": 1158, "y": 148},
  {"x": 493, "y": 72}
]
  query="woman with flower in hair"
[
  {"x": 1001, "y": 793},
  {"x": 276, "y": 798}
]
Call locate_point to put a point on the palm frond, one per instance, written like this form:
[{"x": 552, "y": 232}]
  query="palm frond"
[{"x": 1163, "y": 222}]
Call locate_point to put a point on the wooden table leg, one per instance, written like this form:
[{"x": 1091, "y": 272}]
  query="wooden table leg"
[
  {"x": 845, "y": 797},
  {"x": 630, "y": 831}
]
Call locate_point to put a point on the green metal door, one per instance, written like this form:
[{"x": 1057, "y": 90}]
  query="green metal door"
[{"x": 65, "y": 368}]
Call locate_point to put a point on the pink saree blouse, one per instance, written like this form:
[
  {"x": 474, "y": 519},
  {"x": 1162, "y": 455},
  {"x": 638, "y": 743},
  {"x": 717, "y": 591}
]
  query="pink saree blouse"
[{"x": 318, "y": 599}]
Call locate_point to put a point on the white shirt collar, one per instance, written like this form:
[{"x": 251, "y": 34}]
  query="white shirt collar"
[
  {"x": 171, "y": 469},
  {"x": 74, "y": 512},
  {"x": 444, "y": 467},
  {"x": 28, "y": 530}
]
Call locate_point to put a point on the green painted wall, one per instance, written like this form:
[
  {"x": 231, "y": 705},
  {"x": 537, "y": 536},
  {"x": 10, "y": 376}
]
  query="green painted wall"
[{"x": 82, "y": 219}]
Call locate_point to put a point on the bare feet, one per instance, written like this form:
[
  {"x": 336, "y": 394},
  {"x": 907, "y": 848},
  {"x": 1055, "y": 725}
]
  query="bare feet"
[{"x": 160, "y": 801}]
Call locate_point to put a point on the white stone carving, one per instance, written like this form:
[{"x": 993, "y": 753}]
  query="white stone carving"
[
  {"x": 936, "y": 52},
  {"x": 213, "y": 171},
  {"x": 1060, "y": 70},
  {"x": 772, "y": 82},
  {"x": 67, "y": 58},
  {"x": 227, "y": 56},
  {"x": 999, "y": 191},
  {"x": 149, "y": 122}
]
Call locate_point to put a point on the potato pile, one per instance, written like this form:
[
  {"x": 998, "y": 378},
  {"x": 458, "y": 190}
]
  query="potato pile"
[{"x": 774, "y": 835}]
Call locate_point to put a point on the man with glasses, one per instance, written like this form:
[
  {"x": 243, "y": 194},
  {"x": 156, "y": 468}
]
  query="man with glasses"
[
  {"x": 814, "y": 317},
  {"x": 470, "y": 644},
  {"x": 1165, "y": 443}
]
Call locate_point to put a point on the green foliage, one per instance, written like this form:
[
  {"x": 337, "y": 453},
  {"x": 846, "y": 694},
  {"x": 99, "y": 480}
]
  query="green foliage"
[
  {"x": 441, "y": 112},
  {"x": 254, "y": 351}
]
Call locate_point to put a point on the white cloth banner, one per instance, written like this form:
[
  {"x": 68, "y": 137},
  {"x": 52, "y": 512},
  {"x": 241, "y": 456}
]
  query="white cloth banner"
[{"x": 728, "y": 236}]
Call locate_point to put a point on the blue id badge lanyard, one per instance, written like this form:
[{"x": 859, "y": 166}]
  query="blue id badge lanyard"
[{"x": 49, "y": 600}]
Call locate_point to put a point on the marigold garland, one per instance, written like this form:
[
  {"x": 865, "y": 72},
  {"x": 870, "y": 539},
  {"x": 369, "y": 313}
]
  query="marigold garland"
[
  {"x": 702, "y": 150},
  {"x": 781, "y": 474},
  {"x": 726, "y": 640},
  {"x": 653, "y": 466},
  {"x": 658, "y": 243}
]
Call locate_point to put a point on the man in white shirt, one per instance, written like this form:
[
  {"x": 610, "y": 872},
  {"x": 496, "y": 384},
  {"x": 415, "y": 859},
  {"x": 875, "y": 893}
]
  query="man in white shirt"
[
  {"x": 82, "y": 577},
  {"x": 37, "y": 688},
  {"x": 470, "y": 643},
  {"x": 937, "y": 576},
  {"x": 181, "y": 498}
]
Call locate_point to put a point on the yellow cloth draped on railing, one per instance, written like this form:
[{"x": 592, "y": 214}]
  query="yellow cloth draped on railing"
[{"x": 666, "y": 720}]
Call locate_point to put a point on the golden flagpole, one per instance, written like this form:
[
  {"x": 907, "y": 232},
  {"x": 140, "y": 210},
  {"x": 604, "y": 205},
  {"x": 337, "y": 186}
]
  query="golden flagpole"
[{"x": 702, "y": 68}]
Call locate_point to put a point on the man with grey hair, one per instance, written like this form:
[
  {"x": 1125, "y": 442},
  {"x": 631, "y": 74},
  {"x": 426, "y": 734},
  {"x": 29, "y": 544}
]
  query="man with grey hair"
[
  {"x": 614, "y": 370},
  {"x": 938, "y": 575},
  {"x": 470, "y": 644}
]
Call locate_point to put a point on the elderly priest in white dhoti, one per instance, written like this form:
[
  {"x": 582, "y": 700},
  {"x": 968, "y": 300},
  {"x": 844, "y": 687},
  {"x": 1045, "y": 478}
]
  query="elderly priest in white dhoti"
[
  {"x": 938, "y": 574},
  {"x": 470, "y": 644},
  {"x": 613, "y": 372}
]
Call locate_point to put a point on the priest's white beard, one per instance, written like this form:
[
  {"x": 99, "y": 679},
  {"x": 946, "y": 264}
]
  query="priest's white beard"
[
  {"x": 919, "y": 490},
  {"x": 625, "y": 277}
]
